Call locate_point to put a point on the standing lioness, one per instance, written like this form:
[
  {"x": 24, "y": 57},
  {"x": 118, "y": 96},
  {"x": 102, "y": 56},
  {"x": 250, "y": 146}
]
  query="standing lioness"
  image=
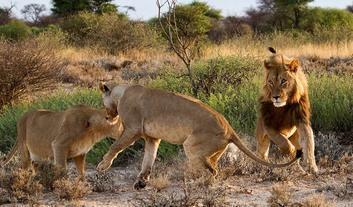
[
  {"x": 155, "y": 115},
  {"x": 44, "y": 135}
]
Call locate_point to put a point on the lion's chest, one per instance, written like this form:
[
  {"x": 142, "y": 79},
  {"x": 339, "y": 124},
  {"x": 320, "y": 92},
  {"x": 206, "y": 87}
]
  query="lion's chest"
[
  {"x": 82, "y": 144},
  {"x": 280, "y": 118}
]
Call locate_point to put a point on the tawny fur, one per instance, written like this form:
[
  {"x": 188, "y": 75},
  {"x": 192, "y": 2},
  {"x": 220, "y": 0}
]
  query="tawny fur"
[
  {"x": 178, "y": 119},
  {"x": 58, "y": 136},
  {"x": 285, "y": 110}
]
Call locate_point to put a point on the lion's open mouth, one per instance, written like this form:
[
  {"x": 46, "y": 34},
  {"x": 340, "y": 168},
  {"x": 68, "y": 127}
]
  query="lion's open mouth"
[{"x": 279, "y": 104}]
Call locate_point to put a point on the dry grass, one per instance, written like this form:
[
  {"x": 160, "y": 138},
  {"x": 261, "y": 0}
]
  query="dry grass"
[
  {"x": 257, "y": 49},
  {"x": 47, "y": 174},
  {"x": 280, "y": 195},
  {"x": 192, "y": 193},
  {"x": 69, "y": 189},
  {"x": 317, "y": 200},
  {"x": 19, "y": 187},
  {"x": 160, "y": 182}
]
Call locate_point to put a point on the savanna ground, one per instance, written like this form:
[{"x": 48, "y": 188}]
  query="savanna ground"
[{"x": 65, "y": 63}]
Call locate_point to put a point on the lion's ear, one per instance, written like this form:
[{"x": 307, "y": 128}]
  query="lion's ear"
[
  {"x": 294, "y": 65},
  {"x": 104, "y": 88}
]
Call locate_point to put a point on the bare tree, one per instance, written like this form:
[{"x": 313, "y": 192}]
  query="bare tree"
[
  {"x": 184, "y": 48},
  {"x": 350, "y": 8},
  {"x": 33, "y": 12},
  {"x": 5, "y": 14}
]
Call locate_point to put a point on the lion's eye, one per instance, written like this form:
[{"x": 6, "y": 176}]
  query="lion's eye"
[
  {"x": 283, "y": 81},
  {"x": 270, "y": 82}
]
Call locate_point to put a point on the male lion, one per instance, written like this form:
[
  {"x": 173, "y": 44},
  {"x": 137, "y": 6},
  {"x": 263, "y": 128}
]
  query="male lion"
[
  {"x": 178, "y": 119},
  {"x": 285, "y": 110},
  {"x": 43, "y": 134}
]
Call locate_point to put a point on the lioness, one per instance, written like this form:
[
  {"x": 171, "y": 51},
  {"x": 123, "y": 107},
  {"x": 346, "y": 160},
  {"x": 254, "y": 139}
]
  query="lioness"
[
  {"x": 179, "y": 119},
  {"x": 43, "y": 134},
  {"x": 285, "y": 110}
]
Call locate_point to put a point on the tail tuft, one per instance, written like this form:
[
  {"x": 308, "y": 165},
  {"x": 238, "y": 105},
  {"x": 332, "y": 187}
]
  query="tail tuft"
[
  {"x": 272, "y": 50},
  {"x": 299, "y": 154}
]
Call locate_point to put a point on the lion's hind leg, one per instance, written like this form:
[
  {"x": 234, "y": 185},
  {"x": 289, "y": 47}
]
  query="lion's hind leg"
[
  {"x": 151, "y": 148},
  {"x": 80, "y": 164},
  {"x": 204, "y": 155},
  {"x": 25, "y": 159}
]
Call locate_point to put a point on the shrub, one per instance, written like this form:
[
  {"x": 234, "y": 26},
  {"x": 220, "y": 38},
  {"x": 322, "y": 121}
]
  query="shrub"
[
  {"x": 319, "y": 18},
  {"x": 47, "y": 173},
  {"x": 26, "y": 67},
  {"x": 20, "y": 187},
  {"x": 71, "y": 189},
  {"x": 15, "y": 30},
  {"x": 329, "y": 24},
  {"x": 317, "y": 200},
  {"x": 210, "y": 76},
  {"x": 109, "y": 31},
  {"x": 280, "y": 196},
  {"x": 101, "y": 182}
]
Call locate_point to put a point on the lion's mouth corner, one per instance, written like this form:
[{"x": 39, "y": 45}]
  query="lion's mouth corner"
[{"x": 279, "y": 104}]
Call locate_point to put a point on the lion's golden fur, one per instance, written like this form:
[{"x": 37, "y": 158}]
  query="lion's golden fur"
[
  {"x": 58, "y": 136},
  {"x": 285, "y": 110}
]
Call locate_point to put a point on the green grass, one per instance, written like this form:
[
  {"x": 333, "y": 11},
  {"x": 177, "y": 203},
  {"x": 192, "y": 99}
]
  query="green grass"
[{"x": 332, "y": 102}]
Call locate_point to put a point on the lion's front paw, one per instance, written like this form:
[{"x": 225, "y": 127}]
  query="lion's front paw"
[
  {"x": 104, "y": 165},
  {"x": 139, "y": 184}
]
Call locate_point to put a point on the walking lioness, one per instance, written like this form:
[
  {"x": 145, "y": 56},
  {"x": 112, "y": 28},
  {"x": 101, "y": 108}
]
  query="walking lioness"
[
  {"x": 178, "y": 119},
  {"x": 49, "y": 135}
]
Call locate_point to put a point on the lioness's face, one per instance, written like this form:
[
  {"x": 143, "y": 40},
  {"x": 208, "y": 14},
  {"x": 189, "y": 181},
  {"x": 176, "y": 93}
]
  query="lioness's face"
[
  {"x": 280, "y": 82},
  {"x": 110, "y": 107},
  {"x": 109, "y": 104}
]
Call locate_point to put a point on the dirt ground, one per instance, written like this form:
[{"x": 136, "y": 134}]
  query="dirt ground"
[
  {"x": 241, "y": 182},
  {"x": 238, "y": 191},
  {"x": 168, "y": 187}
]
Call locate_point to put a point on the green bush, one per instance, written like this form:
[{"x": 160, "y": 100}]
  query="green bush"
[
  {"x": 15, "y": 30},
  {"x": 210, "y": 76},
  {"x": 109, "y": 31},
  {"x": 61, "y": 101},
  {"x": 329, "y": 24}
]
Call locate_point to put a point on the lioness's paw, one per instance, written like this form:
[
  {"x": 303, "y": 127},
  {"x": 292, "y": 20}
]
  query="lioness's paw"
[
  {"x": 313, "y": 169},
  {"x": 104, "y": 165},
  {"x": 139, "y": 185}
]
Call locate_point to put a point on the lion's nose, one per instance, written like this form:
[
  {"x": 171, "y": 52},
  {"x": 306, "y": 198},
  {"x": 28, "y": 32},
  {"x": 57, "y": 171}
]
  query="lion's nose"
[
  {"x": 107, "y": 117},
  {"x": 276, "y": 97}
]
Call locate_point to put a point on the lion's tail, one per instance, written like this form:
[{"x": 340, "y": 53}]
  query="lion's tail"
[
  {"x": 21, "y": 133},
  {"x": 6, "y": 159},
  {"x": 237, "y": 141}
]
